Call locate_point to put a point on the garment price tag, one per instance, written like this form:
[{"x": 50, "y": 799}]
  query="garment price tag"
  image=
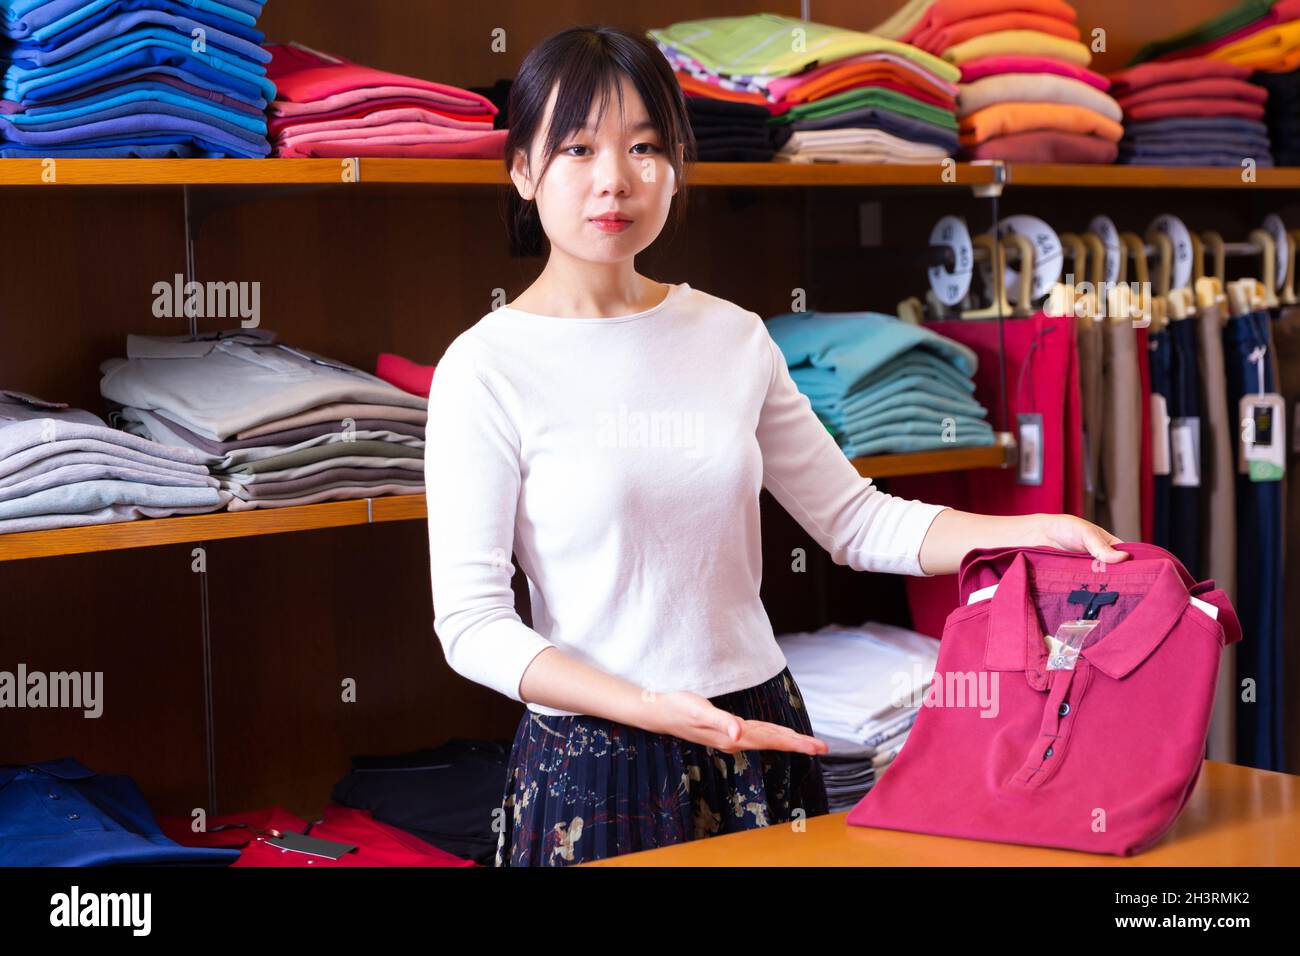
[
  {"x": 1160, "y": 453},
  {"x": 1030, "y": 467},
  {"x": 1185, "y": 444},
  {"x": 1263, "y": 423},
  {"x": 1063, "y": 647}
]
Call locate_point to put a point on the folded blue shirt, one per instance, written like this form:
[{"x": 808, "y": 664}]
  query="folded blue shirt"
[
  {"x": 134, "y": 149},
  {"x": 853, "y": 345},
  {"x": 112, "y": 95},
  {"x": 23, "y": 84},
  {"x": 120, "y": 29},
  {"x": 146, "y": 128},
  {"x": 59, "y": 813},
  {"x": 141, "y": 101},
  {"x": 68, "y": 17},
  {"x": 202, "y": 72},
  {"x": 903, "y": 444},
  {"x": 819, "y": 383},
  {"x": 142, "y": 75}
]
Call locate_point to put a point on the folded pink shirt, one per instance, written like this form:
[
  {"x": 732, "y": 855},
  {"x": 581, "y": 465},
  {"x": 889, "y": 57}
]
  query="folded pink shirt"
[
  {"x": 486, "y": 146},
  {"x": 381, "y": 118},
  {"x": 302, "y": 75},
  {"x": 1152, "y": 74},
  {"x": 973, "y": 70},
  {"x": 276, "y": 123},
  {"x": 377, "y": 94}
]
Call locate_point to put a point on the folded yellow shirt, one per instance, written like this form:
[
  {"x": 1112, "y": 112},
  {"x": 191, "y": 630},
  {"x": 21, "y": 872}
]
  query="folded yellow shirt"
[
  {"x": 1019, "y": 43},
  {"x": 1270, "y": 49},
  {"x": 1007, "y": 118}
]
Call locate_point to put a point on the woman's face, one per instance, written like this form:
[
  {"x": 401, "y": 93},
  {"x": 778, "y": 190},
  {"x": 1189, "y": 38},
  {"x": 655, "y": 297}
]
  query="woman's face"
[{"x": 609, "y": 188}]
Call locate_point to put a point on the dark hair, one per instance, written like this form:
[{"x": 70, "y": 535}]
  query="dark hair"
[{"x": 587, "y": 61}]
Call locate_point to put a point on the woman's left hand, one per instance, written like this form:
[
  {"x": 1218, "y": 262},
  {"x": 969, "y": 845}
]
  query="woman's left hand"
[{"x": 1071, "y": 533}]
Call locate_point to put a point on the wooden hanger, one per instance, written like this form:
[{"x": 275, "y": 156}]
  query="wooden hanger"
[
  {"x": 997, "y": 256},
  {"x": 909, "y": 310},
  {"x": 1182, "y": 304},
  {"x": 1159, "y": 315},
  {"x": 1096, "y": 253},
  {"x": 1268, "y": 267},
  {"x": 1198, "y": 259},
  {"x": 1064, "y": 297},
  {"x": 1214, "y": 243},
  {"x": 1288, "y": 296}
]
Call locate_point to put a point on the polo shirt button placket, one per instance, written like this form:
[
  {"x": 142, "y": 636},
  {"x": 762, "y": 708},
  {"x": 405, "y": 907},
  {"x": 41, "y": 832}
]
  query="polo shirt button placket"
[{"x": 1052, "y": 737}]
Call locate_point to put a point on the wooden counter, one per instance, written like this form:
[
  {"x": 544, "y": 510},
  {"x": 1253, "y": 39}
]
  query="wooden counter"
[{"x": 1237, "y": 816}]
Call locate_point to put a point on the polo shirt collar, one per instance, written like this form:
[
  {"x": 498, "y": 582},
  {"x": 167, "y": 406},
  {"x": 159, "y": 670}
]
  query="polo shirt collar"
[{"x": 1015, "y": 639}]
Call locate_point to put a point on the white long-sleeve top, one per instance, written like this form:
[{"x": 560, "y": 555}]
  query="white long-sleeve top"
[{"x": 621, "y": 460}]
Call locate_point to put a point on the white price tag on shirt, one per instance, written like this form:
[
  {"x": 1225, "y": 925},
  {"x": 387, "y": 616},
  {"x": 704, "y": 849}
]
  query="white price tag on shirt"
[
  {"x": 1185, "y": 443},
  {"x": 1160, "y": 454}
]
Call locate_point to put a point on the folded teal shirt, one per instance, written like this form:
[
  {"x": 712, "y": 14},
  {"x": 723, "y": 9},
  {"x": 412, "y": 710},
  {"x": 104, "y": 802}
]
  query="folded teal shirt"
[
  {"x": 819, "y": 383},
  {"x": 853, "y": 345}
]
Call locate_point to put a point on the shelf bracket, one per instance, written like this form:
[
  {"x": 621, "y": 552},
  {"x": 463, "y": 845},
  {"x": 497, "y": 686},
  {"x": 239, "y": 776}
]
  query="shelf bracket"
[{"x": 992, "y": 190}]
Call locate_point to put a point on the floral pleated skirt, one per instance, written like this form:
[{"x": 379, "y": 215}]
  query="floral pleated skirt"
[{"x": 585, "y": 788}]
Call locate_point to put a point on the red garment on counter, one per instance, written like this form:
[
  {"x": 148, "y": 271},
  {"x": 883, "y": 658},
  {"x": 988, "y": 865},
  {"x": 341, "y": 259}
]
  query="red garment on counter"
[
  {"x": 377, "y": 844},
  {"x": 405, "y": 374},
  {"x": 1100, "y": 758},
  {"x": 1046, "y": 146},
  {"x": 1042, "y": 377}
]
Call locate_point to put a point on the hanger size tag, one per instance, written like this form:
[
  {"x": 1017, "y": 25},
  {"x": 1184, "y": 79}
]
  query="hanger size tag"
[
  {"x": 1160, "y": 453},
  {"x": 1185, "y": 445},
  {"x": 1030, "y": 466},
  {"x": 1263, "y": 425}
]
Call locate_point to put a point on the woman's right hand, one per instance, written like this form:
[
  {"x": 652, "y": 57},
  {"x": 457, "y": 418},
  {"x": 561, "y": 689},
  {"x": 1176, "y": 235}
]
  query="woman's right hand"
[{"x": 694, "y": 718}]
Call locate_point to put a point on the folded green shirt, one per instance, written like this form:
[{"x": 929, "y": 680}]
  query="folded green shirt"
[
  {"x": 763, "y": 45},
  {"x": 865, "y": 96},
  {"x": 1243, "y": 14}
]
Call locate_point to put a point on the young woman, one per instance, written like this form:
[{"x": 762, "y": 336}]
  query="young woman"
[{"x": 614, "y": 432}]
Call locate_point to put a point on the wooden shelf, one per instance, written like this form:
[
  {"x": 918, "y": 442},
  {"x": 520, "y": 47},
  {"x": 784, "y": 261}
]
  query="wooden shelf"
[
  {"x": 1149, "y": 177},
  {"x": 489, "y": 172},
  {"x": 151, "y": 532},
  {"x": 461, "y": 172},
  {"x": 998, "y": 455}
]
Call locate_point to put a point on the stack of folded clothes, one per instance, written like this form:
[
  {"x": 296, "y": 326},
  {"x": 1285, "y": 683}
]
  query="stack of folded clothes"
[
  {"x": 842, "y": 96},
  {"x": 1026, "y": 92},
  {"x": 62, "y": 467},
  {"x": 330, "y": 107},
  {"x": 862, "y": 687},
  {"x": 1192, "y": 112},
  {"x": 278, "y": 426},
  {"x": 1259, "y": 34},
  {"x": 1282, "y": 114},
  {"x": 881, "y": 385},
  {"x": 730, "y": 130},
  {"x": 133, "y": 78}
]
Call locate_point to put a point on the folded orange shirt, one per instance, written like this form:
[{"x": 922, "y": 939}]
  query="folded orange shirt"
[
  {"x": 859, "y": 74},
  {"x": 713, "y": 91},
  {"x": 1005, "y": 118},
  {"x": 944, "y": 12},
  {"x": 936, "y": 41}
]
